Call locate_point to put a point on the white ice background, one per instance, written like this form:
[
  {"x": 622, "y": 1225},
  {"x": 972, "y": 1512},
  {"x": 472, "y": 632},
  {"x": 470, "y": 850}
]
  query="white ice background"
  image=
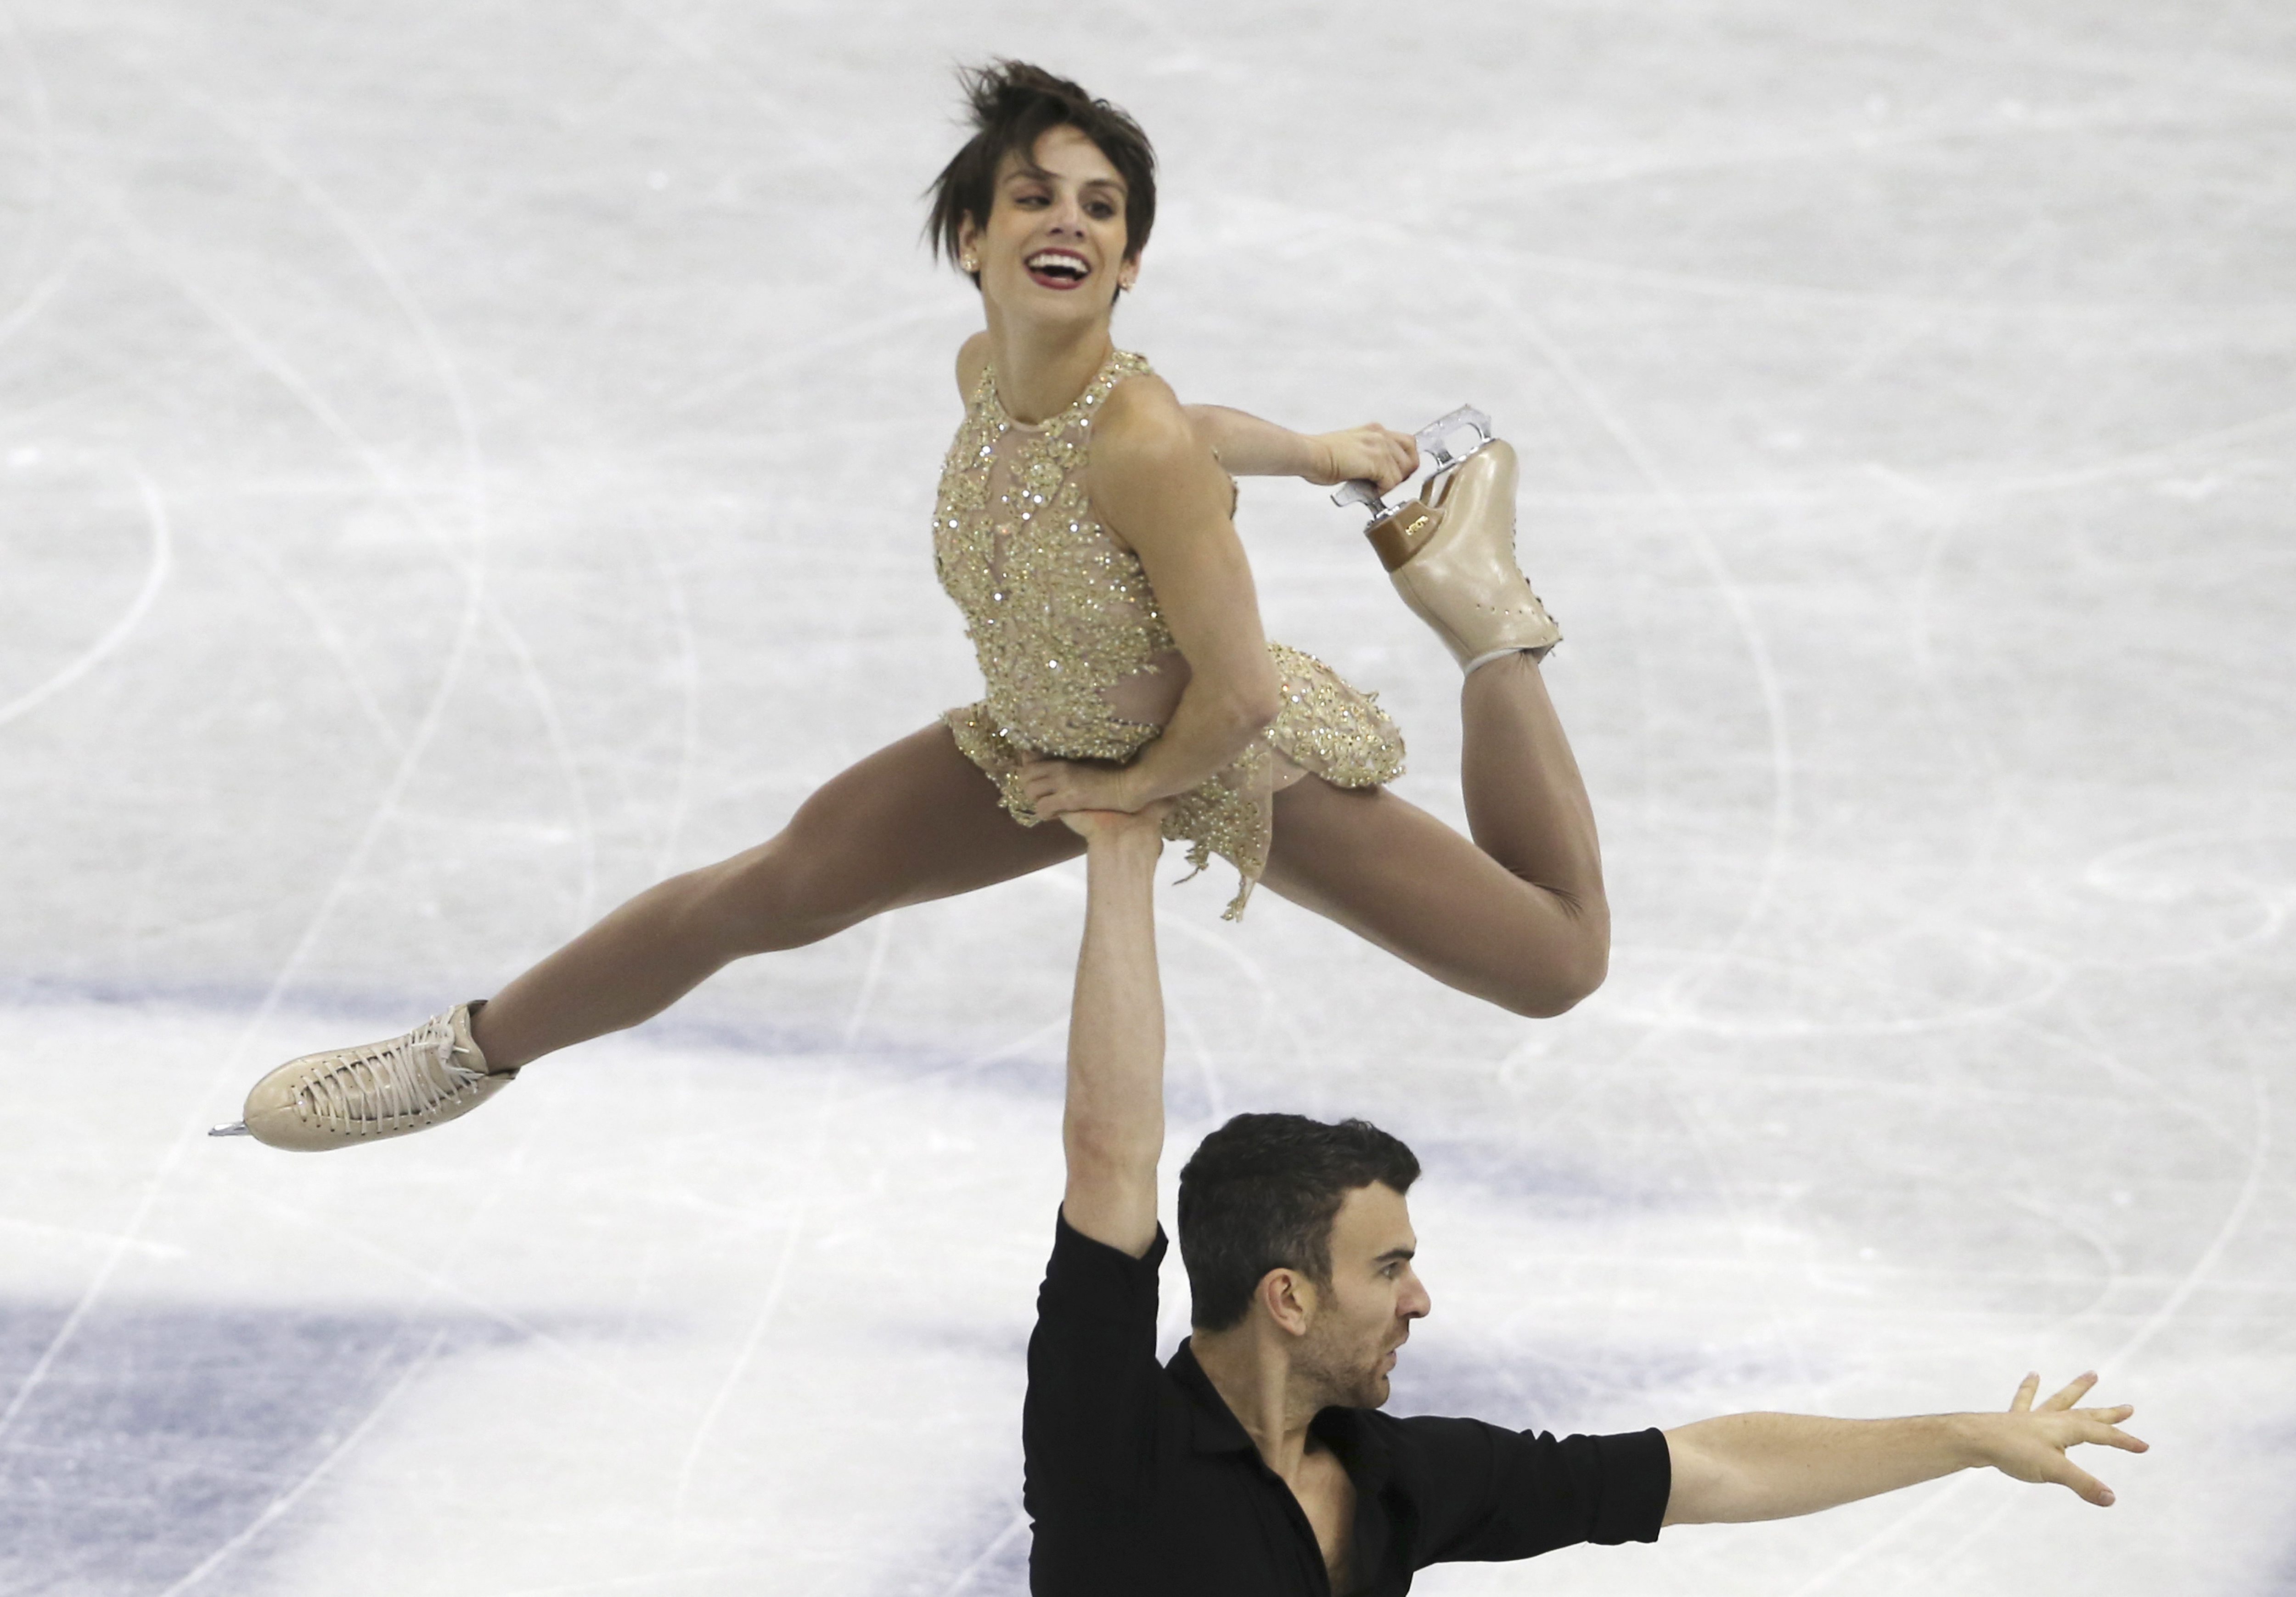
[{"x": 460, "y": 462}]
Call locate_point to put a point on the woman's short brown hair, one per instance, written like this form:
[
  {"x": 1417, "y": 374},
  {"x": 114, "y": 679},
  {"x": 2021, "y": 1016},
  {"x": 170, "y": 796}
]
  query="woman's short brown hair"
[{"x": 1011, "y": 105}]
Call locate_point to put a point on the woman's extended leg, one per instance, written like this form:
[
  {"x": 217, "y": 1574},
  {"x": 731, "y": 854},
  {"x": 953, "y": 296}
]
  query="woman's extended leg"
[
  {"x": 913, "y": 822},
  {"x": 1516, "y": 916}
]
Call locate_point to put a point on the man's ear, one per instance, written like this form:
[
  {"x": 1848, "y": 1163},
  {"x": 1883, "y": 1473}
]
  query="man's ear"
[{"x": 1289, "y": 1298}]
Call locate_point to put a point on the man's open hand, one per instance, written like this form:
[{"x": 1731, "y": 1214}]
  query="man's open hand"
[{"x": 2030, "y": 1443}]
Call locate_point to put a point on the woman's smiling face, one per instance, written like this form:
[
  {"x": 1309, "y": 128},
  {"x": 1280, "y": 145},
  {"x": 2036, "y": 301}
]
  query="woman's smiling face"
[{"x": 1055, "y": 245}]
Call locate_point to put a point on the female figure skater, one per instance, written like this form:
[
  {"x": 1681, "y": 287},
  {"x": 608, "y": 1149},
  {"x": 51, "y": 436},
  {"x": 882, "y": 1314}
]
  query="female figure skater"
[{"x": 1083, "y": 528}]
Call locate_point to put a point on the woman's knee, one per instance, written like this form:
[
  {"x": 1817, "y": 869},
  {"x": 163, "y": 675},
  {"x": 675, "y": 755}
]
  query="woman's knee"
[{"x": 1552, "y": 981}]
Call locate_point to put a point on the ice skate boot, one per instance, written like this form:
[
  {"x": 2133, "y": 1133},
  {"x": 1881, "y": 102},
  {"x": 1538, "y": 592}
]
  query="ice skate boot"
[
  {"x": 1450, "y": 549},
  {"x": 432, "y": 1073}
]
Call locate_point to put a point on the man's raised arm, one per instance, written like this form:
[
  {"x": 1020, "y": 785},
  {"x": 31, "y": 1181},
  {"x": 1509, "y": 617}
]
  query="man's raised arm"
[{"x": 1113, "y": 1131}]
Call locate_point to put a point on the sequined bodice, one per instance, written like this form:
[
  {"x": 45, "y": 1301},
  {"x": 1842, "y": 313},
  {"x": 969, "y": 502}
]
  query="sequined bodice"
[{"x": 1058, "y": 611}]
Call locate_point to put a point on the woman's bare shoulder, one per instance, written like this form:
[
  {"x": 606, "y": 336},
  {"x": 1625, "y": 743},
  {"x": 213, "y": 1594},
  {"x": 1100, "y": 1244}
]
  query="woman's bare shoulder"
[
  {"x": 972, "y": 361},
  {"x": 1150, "y": 463},
  {"x": 1143, "y": 417}
]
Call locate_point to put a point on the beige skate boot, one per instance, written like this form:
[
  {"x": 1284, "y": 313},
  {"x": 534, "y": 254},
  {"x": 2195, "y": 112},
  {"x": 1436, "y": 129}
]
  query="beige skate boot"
[
  {"x": 432, "y": 1073},
  {"x": 1450, "y": 552}
]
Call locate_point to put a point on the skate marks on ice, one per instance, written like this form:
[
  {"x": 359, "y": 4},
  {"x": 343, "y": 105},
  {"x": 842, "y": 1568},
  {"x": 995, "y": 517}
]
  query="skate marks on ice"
[
  {"x": 1887, "y": 383},
  {"x": 157, "y": 564},
  {"x": 150, "y": 252},
  {"x": 166, "y": 1443}
]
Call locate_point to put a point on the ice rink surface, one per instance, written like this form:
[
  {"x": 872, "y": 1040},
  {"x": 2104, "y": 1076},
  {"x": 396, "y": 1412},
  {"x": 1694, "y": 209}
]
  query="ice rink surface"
[{"x": 459, "y": 463}]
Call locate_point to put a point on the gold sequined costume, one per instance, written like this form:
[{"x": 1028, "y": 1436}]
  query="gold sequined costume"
[{"x": 1078, "y": 662}]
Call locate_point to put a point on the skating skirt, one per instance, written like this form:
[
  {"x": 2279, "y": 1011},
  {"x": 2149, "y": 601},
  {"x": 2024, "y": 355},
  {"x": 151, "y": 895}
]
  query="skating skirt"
[{"x": 1325, "y": 728}]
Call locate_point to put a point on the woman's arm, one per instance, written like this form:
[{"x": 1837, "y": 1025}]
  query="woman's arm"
[
  {"x": 1248, "y": 446},
  {"x": 1745, "y": 1467},
  {"x": 1156, "y": 485}
]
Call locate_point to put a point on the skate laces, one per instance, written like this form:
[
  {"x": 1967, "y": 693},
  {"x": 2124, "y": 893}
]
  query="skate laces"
[{"x": 406, "y": 1077}]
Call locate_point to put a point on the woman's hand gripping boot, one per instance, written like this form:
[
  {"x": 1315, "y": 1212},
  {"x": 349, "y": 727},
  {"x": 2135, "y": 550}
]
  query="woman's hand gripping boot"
[{"x": 1450, "y": 551}]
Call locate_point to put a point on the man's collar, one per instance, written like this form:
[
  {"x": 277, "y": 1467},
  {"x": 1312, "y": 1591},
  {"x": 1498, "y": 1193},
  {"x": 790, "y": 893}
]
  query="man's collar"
[
  {"x": 1360, "y": 1446},
  {"x": 1214, "y": 1429},
  {"x": 1214, "y": 1426}
]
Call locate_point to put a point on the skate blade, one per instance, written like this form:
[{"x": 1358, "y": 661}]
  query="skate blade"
[
  {"x": 237, "y": 1128},
  {"x": 1434, "y": 439}
]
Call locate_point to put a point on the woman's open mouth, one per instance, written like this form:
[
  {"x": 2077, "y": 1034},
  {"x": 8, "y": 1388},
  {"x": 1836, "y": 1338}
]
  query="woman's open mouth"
[{"x": 1057, "y": 268}]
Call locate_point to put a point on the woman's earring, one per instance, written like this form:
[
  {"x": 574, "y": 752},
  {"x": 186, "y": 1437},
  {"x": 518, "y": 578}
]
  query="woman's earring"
[{"x": 968, "y": 265}]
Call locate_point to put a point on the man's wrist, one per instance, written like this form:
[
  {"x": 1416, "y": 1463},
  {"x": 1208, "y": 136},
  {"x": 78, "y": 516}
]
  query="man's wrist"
[
  {"x": 1973, "y": 1439},
  {"x": 1128, "y": 849}
]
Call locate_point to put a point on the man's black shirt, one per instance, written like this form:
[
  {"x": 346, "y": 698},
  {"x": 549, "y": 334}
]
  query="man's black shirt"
[{"x": 1140, "y": 1480}]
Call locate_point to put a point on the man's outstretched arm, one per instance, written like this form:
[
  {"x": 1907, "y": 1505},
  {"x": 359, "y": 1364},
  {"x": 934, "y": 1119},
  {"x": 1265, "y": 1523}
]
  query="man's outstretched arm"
[
  {"x": 1113, "y": 1130},
  {"x": 1774, "y": 1466}
]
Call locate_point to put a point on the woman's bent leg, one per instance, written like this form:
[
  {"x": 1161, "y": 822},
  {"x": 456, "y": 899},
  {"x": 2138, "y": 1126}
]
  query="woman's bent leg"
[
  {"x": 914, "y": 822},
  {"x": 1516, "y": 916}
]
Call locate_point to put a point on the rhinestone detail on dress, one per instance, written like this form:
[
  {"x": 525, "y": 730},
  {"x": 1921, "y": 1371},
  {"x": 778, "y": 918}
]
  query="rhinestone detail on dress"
[{"x": 1060, "y": 613}]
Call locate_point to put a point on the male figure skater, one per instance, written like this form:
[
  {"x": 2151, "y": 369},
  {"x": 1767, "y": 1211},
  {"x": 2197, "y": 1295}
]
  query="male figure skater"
[{"x": 1257, "y": 1461}]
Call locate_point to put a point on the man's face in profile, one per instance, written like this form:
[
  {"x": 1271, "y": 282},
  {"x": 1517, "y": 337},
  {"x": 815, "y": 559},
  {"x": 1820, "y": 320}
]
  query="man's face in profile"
[{"x": 1363, "y": 1317}]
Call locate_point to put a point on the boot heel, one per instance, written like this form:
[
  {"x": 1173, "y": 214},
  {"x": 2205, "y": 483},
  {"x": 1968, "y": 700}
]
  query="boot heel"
[{"x": 1402, "y": 533}]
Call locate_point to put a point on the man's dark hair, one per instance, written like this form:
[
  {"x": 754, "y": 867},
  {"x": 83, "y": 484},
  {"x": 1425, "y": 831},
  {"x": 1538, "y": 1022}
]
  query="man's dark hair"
[
  {"x": 1012, "y": 105},
  {"x": 1260, "y": 1194}
]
